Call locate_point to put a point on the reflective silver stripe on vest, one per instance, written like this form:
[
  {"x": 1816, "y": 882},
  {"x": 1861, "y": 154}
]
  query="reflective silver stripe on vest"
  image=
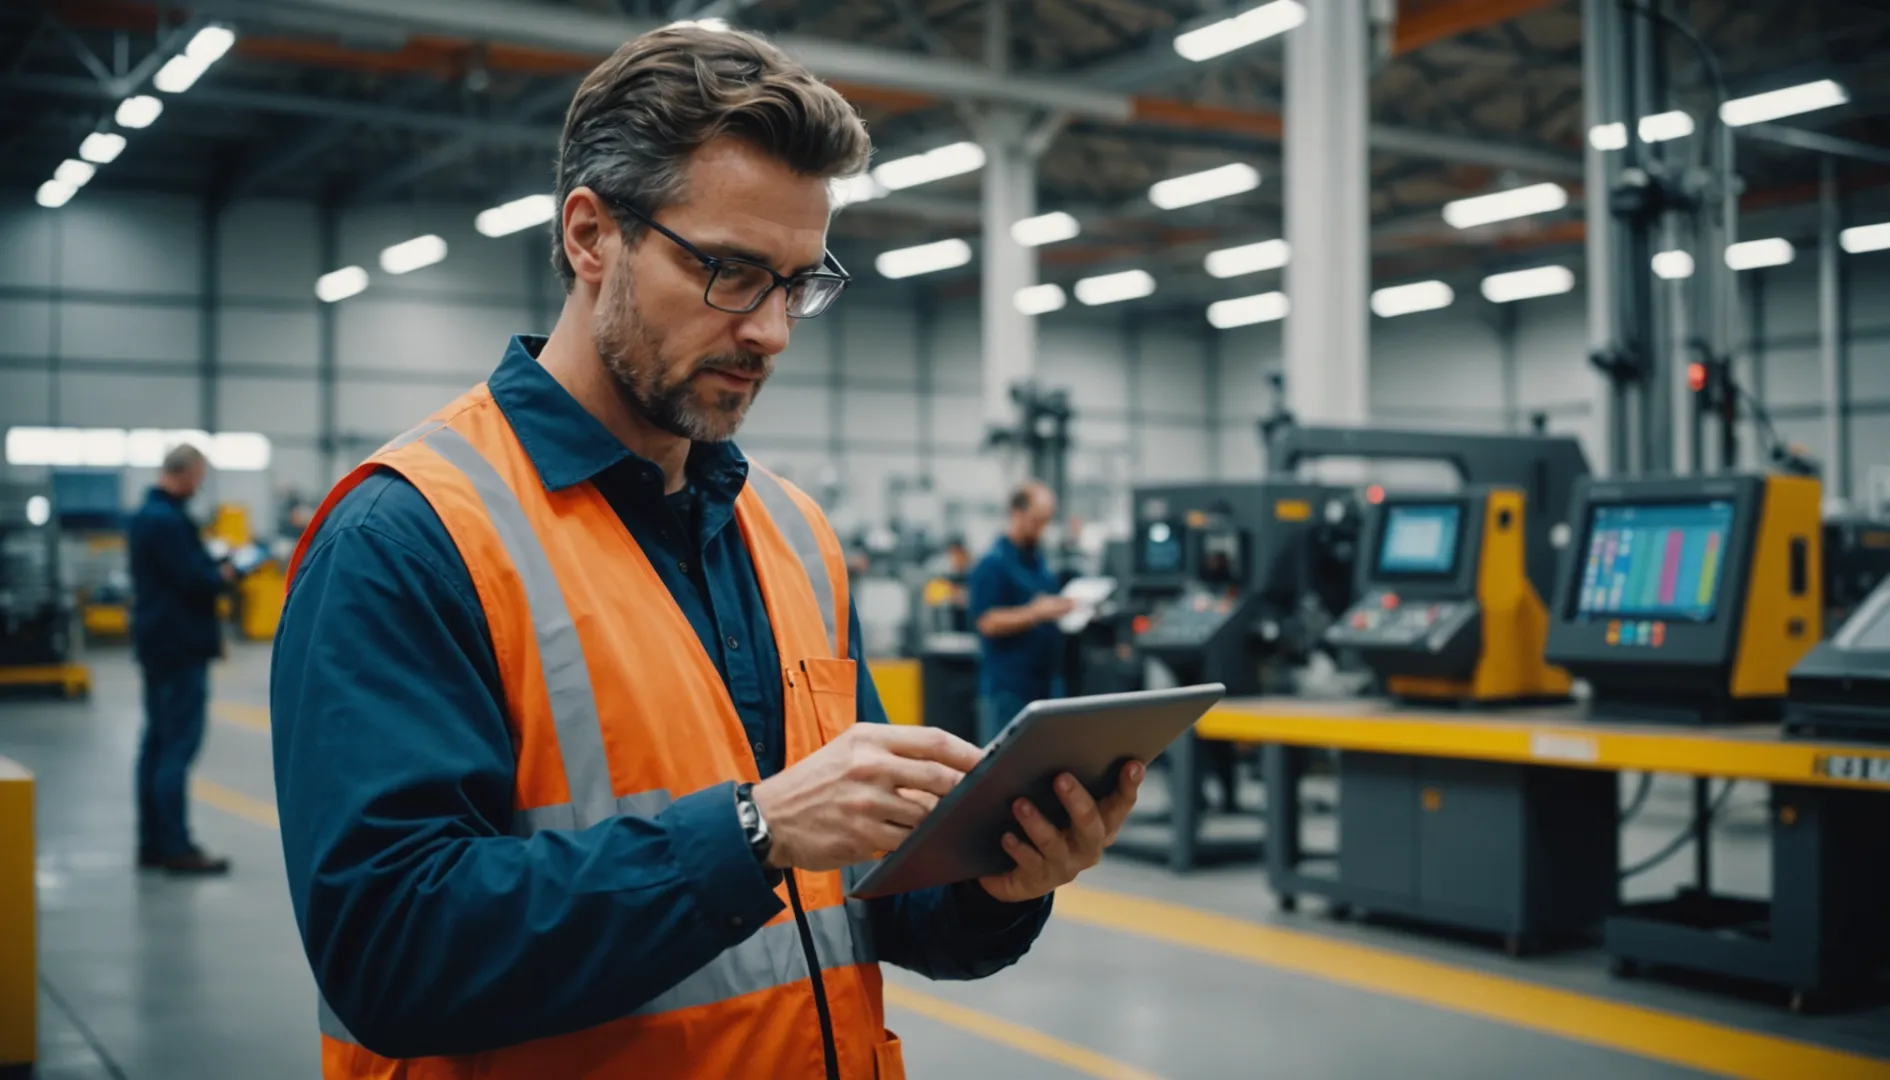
[
  {"x": 416, "y": 432},
  {"x": 560, "y": 653},
  {"x": 770, "y": 958},
  {"x": 331, "y": 1024},
  {"x": 799, "y": 531},
  {"x": 561, "y": 816}
]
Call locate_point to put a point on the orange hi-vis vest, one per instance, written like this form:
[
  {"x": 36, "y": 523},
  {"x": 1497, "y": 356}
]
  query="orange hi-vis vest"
[{"x": 615, "y": 708}]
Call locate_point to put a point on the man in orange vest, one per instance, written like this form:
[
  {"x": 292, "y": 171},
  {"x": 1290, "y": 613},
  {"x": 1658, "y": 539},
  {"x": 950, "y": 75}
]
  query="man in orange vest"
[{"x": 574, "y": 751}]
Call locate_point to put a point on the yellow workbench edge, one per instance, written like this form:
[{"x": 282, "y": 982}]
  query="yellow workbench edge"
[
  {"x": 19, "y": 941},
  {"x": 1742, "y": 753}
]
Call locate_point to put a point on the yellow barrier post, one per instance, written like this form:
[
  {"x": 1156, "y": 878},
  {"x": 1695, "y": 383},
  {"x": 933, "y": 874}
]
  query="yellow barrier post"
[{"x": 19, "y": 933}]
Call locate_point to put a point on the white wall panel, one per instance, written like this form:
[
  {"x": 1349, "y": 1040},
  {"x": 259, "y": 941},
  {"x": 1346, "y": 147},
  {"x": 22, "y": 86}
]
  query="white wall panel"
[
  {"x": 25, "y": 397},
  {"x": 129, "y": 332},
  {"x": 131, "y": 243},
  {"x": 381, "y": 410},
  {"x": 270, "y": 248},
  {"x": 273, "y": 406},
  {"x": 1173, "y": 379},
  {"x": 285, "y": 339},
  {"x": 957, "y": 351},
  {"x": 1085, "y": 358},
  {"x": 412, "y": 336},
  {"x": 27, "y": 244},
  {"x": 877, "y": 344},
  {"x": 299, "y": 468},
  {"x": 1095, "y": 434},
  {"x": 90, "y": 399},
  {"x": 474, "y": 264},
  {"x": 1240, "y": 453},
  {"x": 1794, "y": 376},
  {"x": 957, "y": 420},
  {"x": 1175, "y": 453},
  {"x": 809, "y": 354},
  {"x": 26, "y": 328},
  {"x": 880, "y": 415},
  {"x": 800, "y": 412}
]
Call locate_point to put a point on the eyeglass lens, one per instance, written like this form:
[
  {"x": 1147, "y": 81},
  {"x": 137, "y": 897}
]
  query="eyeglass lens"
[{"x": 739, "y": 287}]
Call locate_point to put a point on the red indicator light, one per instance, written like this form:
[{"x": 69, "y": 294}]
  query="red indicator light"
[
  {"x": 1375, "y": 494},
  {"x": 1696, "y": 377},
  {"x": 1390, "y": 601},
  {"x": 1140, "y": 624}
]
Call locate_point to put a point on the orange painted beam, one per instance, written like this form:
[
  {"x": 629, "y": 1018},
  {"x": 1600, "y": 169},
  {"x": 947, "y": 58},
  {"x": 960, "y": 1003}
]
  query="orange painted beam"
[{"x": 1448, "y": 18}]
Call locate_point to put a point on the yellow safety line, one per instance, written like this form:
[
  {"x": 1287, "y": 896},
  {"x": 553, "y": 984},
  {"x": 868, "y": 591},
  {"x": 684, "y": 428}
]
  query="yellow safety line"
[
  {"x": 1015, "y": 1036},
  {"x": 1634, "y": 1029},
  {"x": 253, "y": 717},
  {"x": 229, "y": 800},
  {"x": 980, "y": 1024}
]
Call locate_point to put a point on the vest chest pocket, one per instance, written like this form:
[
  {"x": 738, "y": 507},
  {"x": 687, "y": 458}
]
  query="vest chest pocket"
[{"x": 833, "y": 686}]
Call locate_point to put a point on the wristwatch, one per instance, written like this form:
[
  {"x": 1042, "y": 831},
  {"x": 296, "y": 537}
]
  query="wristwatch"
[{"x": 754, "y": 826}]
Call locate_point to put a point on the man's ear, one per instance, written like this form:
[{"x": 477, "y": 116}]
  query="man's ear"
[{"x": 589, "y": 231}]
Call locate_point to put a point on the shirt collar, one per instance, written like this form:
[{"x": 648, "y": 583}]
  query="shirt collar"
[{"x": 568, "y": 446}]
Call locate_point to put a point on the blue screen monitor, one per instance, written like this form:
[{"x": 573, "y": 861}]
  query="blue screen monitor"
[
  {"x": 1420, "y": 540},
  {"x": 1160, "y": 550},
  {"x": 1654, "y": 561}
]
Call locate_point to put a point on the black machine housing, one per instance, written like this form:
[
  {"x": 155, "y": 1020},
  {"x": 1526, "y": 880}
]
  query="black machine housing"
[
  {"x": 1229, "y": 576},
  {"x": 1417, "y": 622},
  {"x": 1841, "y": 689}
]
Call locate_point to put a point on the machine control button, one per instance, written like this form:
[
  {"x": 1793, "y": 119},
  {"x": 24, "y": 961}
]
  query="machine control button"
[{"x": 1390, "y": 601}]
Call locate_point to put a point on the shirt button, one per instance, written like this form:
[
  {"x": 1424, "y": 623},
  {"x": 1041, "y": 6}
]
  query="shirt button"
[
  {"x": 732, "y": 643},
  {"x": 683, "y": 566},
  {"x": 761, "y": 749}
]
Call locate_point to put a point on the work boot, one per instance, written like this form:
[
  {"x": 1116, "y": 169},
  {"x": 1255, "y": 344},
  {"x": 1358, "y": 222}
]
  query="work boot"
[{"x": 195, "y": 862}]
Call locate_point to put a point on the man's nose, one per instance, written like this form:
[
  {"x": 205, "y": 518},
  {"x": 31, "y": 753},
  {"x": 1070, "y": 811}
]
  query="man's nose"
[{"x": 764, "y": 331}]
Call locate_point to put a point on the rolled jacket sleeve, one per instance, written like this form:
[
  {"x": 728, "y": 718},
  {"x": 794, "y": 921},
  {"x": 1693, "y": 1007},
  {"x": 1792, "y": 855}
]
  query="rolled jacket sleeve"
[{"x": 430, "y": 928}]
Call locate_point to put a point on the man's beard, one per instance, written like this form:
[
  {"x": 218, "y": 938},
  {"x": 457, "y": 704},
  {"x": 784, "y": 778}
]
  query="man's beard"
[{"x": 661, "y": 390}]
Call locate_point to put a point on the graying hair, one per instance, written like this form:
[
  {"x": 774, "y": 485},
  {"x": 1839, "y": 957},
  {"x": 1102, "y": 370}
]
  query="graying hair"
[
  {"x": 182, "y": 459},
  {"x": 638, "y": 117}
]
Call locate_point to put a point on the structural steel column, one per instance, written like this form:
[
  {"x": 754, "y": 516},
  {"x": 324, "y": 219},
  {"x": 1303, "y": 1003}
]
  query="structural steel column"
[
  {"x": 1601, "y": 104},
  {"x": 1010, "y": 193},
  {"x": 1328, "y": 213},
  {"x": 1837, "y": 428}
]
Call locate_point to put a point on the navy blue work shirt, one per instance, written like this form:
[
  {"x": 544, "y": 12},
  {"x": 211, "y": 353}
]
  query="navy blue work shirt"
[
  {"x": 1026, "y": 665},
  {"x": 432, "y": 929},
  {"x": 174, "y": 586}
]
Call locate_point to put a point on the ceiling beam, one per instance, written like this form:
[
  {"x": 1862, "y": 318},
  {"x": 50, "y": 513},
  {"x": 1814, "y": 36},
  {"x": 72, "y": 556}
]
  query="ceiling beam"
[{"x": 1817, "y": 142}]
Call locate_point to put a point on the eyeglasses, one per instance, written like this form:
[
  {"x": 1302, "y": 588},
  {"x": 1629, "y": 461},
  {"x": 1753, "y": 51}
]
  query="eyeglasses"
[{"x": 738, "y": 286}]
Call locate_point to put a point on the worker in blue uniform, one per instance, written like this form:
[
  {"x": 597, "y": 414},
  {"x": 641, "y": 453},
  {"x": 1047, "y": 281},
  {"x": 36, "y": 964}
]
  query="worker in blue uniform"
[
  {"x": 175, "y": 583},
  {"x": 1014, "y": 606}
]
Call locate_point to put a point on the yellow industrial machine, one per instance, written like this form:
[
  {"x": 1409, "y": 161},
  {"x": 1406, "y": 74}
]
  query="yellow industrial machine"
[
  {"x": 19, "y": 945},
  {"x": 1689, "y": 599},
  {"x": 256, "y": 605},
  {"x": 1447, "y": 610}
]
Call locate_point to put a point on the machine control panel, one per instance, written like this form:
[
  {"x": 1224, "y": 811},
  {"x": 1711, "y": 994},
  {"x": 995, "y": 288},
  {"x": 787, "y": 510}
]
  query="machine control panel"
[
  {"x": 1190, "y": 620},
  {"x": 1382, "y": 618}
]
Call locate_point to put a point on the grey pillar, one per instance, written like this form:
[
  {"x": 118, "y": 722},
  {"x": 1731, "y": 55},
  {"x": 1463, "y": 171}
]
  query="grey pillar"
[
  {"x": 1837, "y": 428},
  {"x": 328, "y": 225},
  {"x": 1010, "y": 193},
  {"x": 1602, "y": 104},
  {"x": 1328, "y": 213}
]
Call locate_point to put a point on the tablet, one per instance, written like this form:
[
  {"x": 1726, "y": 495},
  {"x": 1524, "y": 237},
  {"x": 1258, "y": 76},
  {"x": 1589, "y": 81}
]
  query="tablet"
[{"x": 1091, "y": 737}]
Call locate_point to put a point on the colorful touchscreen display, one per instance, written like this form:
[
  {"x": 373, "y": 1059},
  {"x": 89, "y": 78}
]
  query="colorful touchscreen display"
[{"x": 1655, "y": 561}]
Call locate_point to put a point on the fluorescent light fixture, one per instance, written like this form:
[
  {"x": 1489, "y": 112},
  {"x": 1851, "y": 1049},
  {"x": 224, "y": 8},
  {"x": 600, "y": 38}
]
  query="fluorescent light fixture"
[
  {"x": 951, "y": 160},
  {"x": 52, "y": 194},
  {"x": 1248, "y": 258},
  {"x": 62, "y": 446},
  {"x": 179, "y": 74},
  {"x": 102, "y": 147},
  {"x": 508, "y": 218},
  {"x": 1754, "y": 254},
  {"x": 38, "y": 510},
  {"x": 1114, "y": 288},
  {"x": 1204, "y": 186},
  {"x": 1608, "y": 136},
  {"x": 1045, "y": 229},
  {"x": 210, "y": 43},
  {"x": 1240, "y": 31},
  {"x": 138, "y": 112},
  {"x": 1528, "y": 284},
  {"x": 410, "y": 255},
  {"x": 1861, "y": 238},
  {"x": 923, "y": 259},
  {"x": 238, "y": 451},
  {"x": 1504, "y": 205},
  {"x": 855, "y": 189},
  {"x": 1040, "y": 299},
  {"x": 145, "y": 447},
  {"x": 1247, "y": 310},
  {"x": 1396, "y": 300},
  {"x": 1661, "y": 127},
  {"x": 1778, "y": 104},
  {"x": 1673, "y": 265},
  {"x": 74, "y": 174},
  {"x": 340, "y": 284}
]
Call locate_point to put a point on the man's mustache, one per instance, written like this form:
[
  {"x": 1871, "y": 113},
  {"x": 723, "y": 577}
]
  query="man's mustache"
[{"x": 748, "y": 366}]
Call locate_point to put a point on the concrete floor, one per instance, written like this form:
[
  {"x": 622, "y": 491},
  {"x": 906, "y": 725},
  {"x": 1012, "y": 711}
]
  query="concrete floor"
[{"x": 147, "y": 978}]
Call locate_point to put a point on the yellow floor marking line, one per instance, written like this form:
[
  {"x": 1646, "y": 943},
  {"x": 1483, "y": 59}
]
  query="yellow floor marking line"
[
  {"x": 1649, "y": 1033},
  {"x": 253, "y": 717},
  {"x": 231, "y": 801},
  {"x": 1015, "y": 1036}
]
